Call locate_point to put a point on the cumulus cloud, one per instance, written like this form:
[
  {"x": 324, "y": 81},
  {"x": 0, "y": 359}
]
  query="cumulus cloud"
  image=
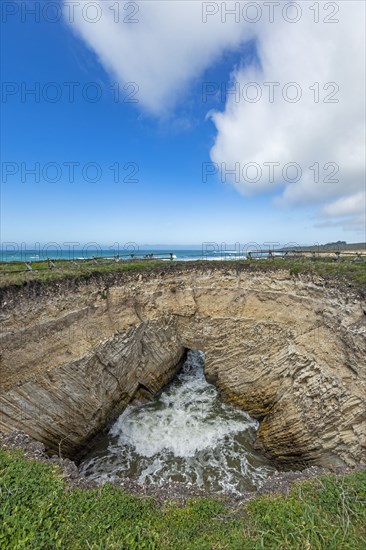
[
  {"x": 354, "y": 204},
  {"x": 322, "y": 133},
  {"x": 162, "y": 51},
  {"x": 346, "y": 212},
  {"x": 324, "y": 139}
]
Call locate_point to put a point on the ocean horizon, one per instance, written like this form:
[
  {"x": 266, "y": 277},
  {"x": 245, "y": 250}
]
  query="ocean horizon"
[{"x": 35, "y": 255}]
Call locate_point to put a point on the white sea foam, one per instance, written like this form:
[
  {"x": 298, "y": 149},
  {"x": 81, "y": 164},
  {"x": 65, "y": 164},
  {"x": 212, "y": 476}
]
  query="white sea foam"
[{"x": 188, "y": 434}]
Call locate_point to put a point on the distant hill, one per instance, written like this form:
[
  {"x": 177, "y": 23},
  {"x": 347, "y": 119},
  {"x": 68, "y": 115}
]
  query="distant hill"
[{"x": 331, "y": 247}]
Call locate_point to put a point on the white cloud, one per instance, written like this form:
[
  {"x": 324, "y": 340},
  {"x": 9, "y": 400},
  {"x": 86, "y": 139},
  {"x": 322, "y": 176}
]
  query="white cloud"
[
  {"x": 163, "y": 51},
  {"x": 356, "y": 224},
  {"x": 304, "y": 132},
  {"x": 354, "y": 204},
  {"x": 171, "y": 45},
  {"x": 346, "y": 212}
]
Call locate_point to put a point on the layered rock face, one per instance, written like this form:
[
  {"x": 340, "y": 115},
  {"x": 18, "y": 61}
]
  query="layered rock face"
[{"x": 288, "y": 349}]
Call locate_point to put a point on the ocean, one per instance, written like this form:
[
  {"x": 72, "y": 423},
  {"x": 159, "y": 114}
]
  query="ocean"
[{"x": 23, "y": 254}]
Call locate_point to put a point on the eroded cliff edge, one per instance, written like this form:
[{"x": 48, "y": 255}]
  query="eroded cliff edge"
[{"x": 289, "y": 349}]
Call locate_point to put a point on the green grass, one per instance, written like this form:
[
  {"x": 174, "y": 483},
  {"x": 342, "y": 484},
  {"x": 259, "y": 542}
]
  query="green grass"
[
  {"x": 67, "y": 270},
  {"x": 37, "y": 512},
  {"x": 342, "y": 270}
]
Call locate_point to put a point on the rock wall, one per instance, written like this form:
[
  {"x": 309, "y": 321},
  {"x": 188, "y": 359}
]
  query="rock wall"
[{"x": 288, "y": 349}]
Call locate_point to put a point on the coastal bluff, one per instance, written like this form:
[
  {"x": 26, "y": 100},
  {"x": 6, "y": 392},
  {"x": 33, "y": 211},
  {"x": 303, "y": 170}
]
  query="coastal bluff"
[{"x": 289, "y": 349}]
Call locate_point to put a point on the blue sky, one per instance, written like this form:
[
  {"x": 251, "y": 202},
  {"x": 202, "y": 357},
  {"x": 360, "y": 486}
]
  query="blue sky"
[{"x": 169, "y": 203}]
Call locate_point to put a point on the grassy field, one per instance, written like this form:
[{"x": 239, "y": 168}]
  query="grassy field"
[
  {"x": 37, "y": 512},
  {"x": 342, "y": 270},
  {"x": 345, "y": 270},
  {"x": 10, "y": 274}
]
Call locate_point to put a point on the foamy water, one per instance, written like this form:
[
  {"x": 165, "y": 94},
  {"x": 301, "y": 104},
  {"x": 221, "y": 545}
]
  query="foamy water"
[{"x": 187, "y": 434}]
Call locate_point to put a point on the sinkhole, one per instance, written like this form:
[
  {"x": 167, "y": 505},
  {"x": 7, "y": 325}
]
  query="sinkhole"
[{"x": 186, "y": 434}]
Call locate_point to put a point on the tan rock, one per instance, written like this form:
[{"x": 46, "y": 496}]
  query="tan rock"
[{"x": 289, "y": 350}]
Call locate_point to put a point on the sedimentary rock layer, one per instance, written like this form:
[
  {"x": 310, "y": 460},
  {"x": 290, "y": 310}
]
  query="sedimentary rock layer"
[{"x": 288, "y": 349}]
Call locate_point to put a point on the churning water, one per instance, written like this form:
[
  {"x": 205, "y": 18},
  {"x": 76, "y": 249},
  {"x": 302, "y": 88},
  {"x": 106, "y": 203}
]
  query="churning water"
[{"x": 186, "y": 434}]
